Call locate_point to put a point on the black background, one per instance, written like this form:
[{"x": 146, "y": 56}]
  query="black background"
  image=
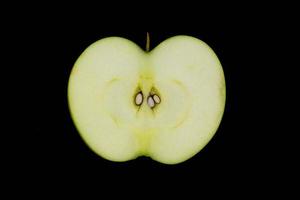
[{"x": 49, "y": 149}]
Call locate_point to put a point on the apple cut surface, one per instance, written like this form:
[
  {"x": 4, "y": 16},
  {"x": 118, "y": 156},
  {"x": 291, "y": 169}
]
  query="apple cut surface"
[{"x": 166, "y": 104}]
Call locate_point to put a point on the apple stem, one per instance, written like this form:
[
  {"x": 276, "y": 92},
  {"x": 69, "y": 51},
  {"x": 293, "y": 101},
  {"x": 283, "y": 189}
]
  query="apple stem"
[{"x": 148, "y": 42}]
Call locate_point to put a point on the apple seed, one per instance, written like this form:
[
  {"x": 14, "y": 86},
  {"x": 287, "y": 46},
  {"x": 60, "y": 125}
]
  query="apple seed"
[
  {"x": 139, "y": 99},
  {"x": 151, "y": 102},
  {"x": 156, "y": 99}
]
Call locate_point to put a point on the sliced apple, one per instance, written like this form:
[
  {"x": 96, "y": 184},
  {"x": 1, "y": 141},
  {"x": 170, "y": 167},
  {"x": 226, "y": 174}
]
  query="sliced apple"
[{"x": 166, "y": 104}]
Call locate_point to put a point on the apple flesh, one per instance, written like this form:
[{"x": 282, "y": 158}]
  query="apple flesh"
[{"x": 166, "y": 104}]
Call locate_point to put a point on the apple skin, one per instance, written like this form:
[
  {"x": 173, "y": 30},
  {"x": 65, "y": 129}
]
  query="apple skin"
[{"x": 182, "y": 70}]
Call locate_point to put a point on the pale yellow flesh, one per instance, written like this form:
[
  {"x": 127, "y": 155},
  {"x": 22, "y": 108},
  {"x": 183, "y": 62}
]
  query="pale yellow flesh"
[{"x": 188, "y": 77}]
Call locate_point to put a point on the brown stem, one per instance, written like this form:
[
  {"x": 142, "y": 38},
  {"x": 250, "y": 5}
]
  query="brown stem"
[{"x": 148, "y": 42}]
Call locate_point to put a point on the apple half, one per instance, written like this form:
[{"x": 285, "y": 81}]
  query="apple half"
[{"x": 166, "y": 104}]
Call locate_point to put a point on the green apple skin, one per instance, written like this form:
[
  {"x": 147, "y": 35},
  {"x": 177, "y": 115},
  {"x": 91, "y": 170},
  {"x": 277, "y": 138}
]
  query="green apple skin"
[{"x": 183, "y": 71}]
